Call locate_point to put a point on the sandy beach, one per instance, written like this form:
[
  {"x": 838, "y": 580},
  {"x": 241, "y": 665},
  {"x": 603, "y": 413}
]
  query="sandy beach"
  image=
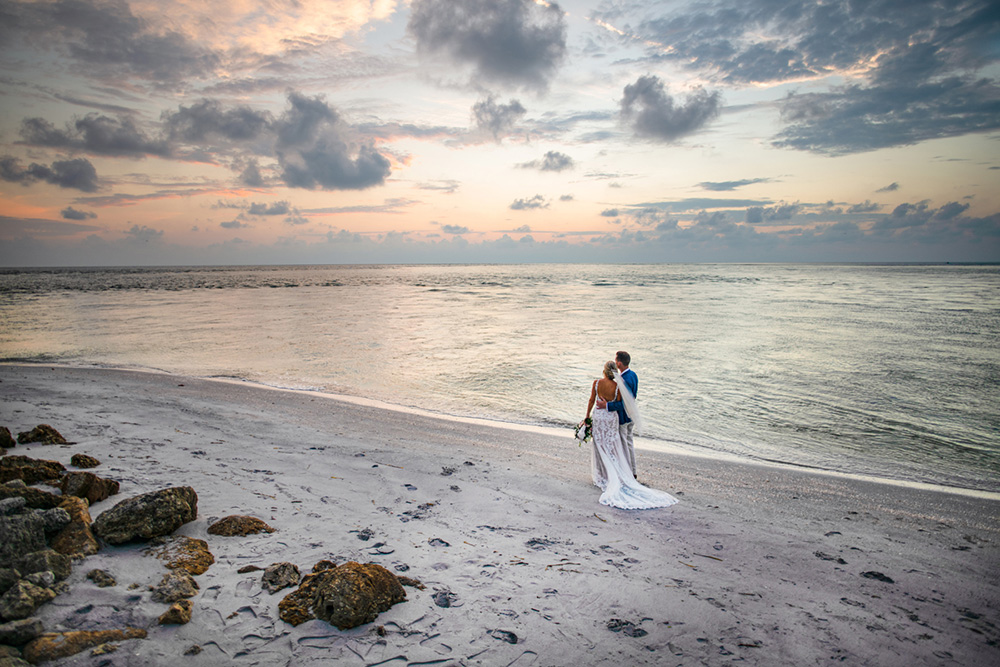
[{"x": 521, "y": 564}]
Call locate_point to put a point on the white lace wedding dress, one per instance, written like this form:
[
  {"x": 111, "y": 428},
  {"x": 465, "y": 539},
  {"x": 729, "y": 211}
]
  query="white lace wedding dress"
[{"x": 611, "y": 471}]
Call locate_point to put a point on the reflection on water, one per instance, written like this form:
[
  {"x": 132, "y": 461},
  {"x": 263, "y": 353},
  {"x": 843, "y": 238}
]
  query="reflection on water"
[{"x": 885, "y": 370}]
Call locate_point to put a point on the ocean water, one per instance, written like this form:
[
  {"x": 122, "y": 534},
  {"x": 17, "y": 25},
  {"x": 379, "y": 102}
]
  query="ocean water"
[{"x": 889, "y": 371}]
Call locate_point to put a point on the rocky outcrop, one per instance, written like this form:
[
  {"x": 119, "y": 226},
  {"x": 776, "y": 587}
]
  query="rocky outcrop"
[
  {"x": 176, "y": 585},
  {"x": 345, "y": 596},
  {"x": 29, "y": 470},
  {"x": 88, "y": 485},
  {"x": 6, "y": 439},
  {"x": 184, "y": 553},
  {"x": 84, "y": 461},
  {"x": 34, "y": 498},
  {"x": 45, "y": 560},
  {"x": 76, "y": 538},
  {"x": 280, "y": 575},
  {"x": 43, "y": 434},
  {"x": 23, "y": 599},
  {"x": 238, "y": 525},
  {"x": 20, "y": 632},
  {"x": 178, "y": 614},
  {"x": 55, "y": 645},
  {"x": 147, "y": 516}
]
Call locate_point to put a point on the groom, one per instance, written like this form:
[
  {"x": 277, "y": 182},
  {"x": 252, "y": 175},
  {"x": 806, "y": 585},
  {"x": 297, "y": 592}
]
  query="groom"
[{"x": 622, "y": 360}]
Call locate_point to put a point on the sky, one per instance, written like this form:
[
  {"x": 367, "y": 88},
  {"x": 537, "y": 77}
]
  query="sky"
[{"x": 151, "y": 132}]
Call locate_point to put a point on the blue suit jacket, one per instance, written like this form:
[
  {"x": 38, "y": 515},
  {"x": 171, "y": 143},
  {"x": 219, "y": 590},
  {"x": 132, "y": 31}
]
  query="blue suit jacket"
[{"x": 632, "y": 382}]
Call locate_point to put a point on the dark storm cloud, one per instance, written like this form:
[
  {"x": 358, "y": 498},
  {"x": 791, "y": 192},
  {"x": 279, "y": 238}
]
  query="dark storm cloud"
[
  {"x": 107, "y": 39},
  {"x": 70, "y": 213},
  {"x": 652, "y": 113},
  {"x": 96, "y": 134},
  {"x": 917, "y": 61},
  {"x": 725, "y": 186},
  {"x": 516, "y": 43},
  {"x": 208, "y": 119},
  {"x": 77, "y": 173},
  {"x": 497, "y": 119},
  {"x": 551, "y": 161},
  {"x": 538, "y": 201}
]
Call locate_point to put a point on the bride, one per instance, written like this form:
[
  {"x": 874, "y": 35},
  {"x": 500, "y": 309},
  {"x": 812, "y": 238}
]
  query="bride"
[{"x": 609, "y": 463}]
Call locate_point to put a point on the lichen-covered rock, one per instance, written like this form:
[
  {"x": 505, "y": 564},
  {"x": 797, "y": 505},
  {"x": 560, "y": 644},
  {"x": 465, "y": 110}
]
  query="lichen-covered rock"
[
  {"x": 148, "y": 515},
  {"x": 178, "y": 614},
  {"x": 22, "y": 600},
  {"x": 280, "y": 575},
  {"x": 346, "y": 596},
  {"x": 88, "y": 485},
  {"x": 22, "y": 534},
  {"x": 238, "y": 525},
  {"x": 6, "y": 439},
  {"x": 11, "y": 657},
  {"x": 185, "y": 553},
  {"x": 176, "y": 585},
  {"x": 33, "y": 498},
  {"x": 8, "y": 577},
  {"x": 45, "y": 560},
  {"x": 54, "y": 520},
  {"x": 30, "y": 470},
  {"x": 20, "y": 632},
  {"x": 84, "y": 461},
  {"x": 55, "y": 645},
  {"x": 12, "y": 505},
  {"x": 44, "y": 434},
  {"x": 102, "y": 578}
]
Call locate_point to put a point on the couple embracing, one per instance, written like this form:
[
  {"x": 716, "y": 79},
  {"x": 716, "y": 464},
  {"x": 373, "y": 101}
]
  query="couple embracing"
[{"x": 613, "y": 452}]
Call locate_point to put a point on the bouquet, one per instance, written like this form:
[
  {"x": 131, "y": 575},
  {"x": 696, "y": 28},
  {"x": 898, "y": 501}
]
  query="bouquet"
[{"x": 583, "y": 431}]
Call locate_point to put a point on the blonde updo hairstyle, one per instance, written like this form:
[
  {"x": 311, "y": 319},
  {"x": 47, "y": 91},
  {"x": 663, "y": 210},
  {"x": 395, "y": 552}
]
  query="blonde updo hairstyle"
[{"x": 609, "y": 370}]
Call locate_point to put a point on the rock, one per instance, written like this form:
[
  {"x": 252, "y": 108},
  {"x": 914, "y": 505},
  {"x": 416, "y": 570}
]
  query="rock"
[
  {"x": 6, "y": 439},
  {"x": 22, "y": 600},
  {"x": 280, "y": 575},
  {"x": 30, "y": 470},
  {"x": 11, "y": 657},
  {"x": 324, "y": 565},
  {"x": 238, "y": 525},
  {"x": 84, "y": 461},
  {"x": 178, "y": 614},
  {"x": 878, "y": 576},
  {"x": 55, "y": 645},
  {"x": 88, "y": 485},
  {"x": 104, "y": 649},
  {"x": 76, "y": 539},
  {"x": 45, "y": 560},
  {"x": 249, "y": 568},
  {"x": 296, "y": 607},
  {"x": 353, "y": 594},
  {"x": 34, "y": 498},
  {"x": 193, "y": 650},
  {"x": 185, "y": 553},
  {"x": 22, "y": 534},
  {"x": 44, "y": 434},
  {"x": 148, "y": 515},
  {"x": 175, "y": 585},
  {"x": 54, "y": 520},
  {"x": 77, "y": 508},
  {"x": 102, "y": 578},
  {"x": 12, "y": 505},
  {"x": 41, "y": 579},
  {"x": 8, "y": 577},
  {"x": 20, "y": 632}
]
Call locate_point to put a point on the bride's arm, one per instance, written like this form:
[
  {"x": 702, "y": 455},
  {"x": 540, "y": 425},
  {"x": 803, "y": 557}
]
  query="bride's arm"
[{"x": 593, "y": 395}]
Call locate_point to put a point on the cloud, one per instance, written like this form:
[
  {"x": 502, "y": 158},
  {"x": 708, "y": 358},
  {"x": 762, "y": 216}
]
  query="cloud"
[
  {"x": 497, "y": 119},
  {"x": 892, "y": 187},
  {"x": 277, "y": 208},
  {"x": 16, "y": 228},
  {"x": 695, "y": 204},
  {"x": 552, "y": 161},
  {"x": 143, "y": 234},
  {"x": 77, "y": 173},
  {"x": 70, "y": 213},
  {"x": 251, "y": 175},
  {"x": 315, "y": 149},
  {"x": 454, "y": 229},
  {"x": 96, "y": 134},
  {"x": 723, "y": 186},
  {"x": 538, "y": 201},
  {"x": 514, "y": 43},
  {"x": 867, "y": 207},
  {"x": 523, "y": 229},
  {"x": 610, "y": 213},
  {"x": 207, "y": 119},
  {"x": 652, "y": 113},
  {"x": 757, "y": 214}
]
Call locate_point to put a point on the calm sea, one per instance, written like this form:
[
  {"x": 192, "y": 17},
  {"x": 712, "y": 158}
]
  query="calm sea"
[{"x": 890, "y": 371}]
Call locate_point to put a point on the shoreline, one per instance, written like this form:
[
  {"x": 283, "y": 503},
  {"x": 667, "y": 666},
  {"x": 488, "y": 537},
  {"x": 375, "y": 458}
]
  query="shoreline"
[
  {"x": 764, "y": 564},
  {"x": 648, "y": 445}
]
